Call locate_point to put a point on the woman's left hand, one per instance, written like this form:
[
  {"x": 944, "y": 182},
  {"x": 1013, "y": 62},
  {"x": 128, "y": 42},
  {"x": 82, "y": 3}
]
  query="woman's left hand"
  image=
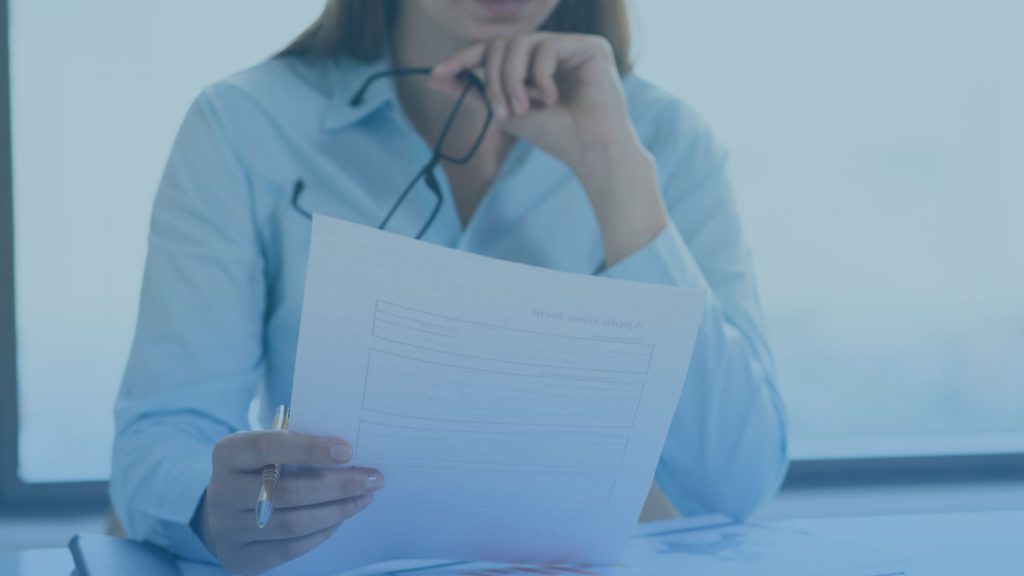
[{"x": 560, "y": 92}]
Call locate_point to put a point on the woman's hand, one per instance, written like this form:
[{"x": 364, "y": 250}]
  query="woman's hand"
[
  {"x": 562, "y": 93},
  {"x": 309, "y": 505}
]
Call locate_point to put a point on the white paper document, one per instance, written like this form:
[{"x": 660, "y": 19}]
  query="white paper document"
[{"x": 516, "y": 413}]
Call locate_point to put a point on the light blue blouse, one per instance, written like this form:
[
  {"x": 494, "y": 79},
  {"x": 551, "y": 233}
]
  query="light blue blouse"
[{"x": 219, "y": 312}]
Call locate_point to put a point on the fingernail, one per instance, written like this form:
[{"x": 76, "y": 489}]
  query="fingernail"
[
  {"x": 499, "y": 110},
  {"x": 340, "y": 453},
  {"x": 374, "y": 481}
]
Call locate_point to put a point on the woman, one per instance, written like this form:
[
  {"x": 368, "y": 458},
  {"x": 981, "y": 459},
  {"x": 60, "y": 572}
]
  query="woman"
[{"x": 584, "y": 167}]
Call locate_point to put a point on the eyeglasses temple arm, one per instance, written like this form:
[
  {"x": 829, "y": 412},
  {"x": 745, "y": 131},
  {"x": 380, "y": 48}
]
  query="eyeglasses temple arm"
[{"x": 357, "y": 98}]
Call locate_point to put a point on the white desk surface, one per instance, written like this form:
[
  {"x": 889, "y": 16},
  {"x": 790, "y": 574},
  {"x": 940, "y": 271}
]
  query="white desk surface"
[
  {"x": 981, "y": 543},
  {"x": 962, "y": 544}
]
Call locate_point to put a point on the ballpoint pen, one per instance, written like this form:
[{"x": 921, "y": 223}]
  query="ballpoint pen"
[{"x": 270, "y": 475}]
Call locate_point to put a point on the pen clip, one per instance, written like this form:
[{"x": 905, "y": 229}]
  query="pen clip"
[{"x": 281, "y": 418}]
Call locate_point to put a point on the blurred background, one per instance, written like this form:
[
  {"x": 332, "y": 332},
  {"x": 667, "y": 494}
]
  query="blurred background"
[{"x": 877, "y": 151}]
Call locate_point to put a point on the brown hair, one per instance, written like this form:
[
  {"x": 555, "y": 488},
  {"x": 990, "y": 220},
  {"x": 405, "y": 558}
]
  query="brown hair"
[{"x": 359, "y": 28}]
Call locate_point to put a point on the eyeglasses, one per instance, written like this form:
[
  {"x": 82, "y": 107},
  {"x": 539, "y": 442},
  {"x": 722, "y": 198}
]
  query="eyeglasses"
[{"x": 427, "y": 173}]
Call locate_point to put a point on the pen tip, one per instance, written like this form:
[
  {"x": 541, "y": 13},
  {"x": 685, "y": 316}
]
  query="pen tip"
[{"x": 263, "y": 510}]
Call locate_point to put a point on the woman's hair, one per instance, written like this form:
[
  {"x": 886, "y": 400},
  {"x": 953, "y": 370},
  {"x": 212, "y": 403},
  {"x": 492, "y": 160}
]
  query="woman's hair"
[{"x": 359, "y": 28}]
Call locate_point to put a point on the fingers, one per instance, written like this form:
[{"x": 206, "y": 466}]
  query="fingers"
[
  {"x": 514, "y": 72},
  {"x": 467, "y": 58},
  {"x": 311, "y": 500},
  {"x": 317, "y": 486},
  {"x": 545, "y": 64},
  {"x": 517, "y": 72},
  {"x": 246, "y": 451},
  {"x": 445, "y": 76},
  {"x": 298, "y": 522},
  {"x": 494, "y": 74}
]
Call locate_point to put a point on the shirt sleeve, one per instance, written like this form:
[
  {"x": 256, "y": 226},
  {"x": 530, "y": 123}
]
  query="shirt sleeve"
[
  {"x": 726, "y": 448},
  {"x": 197, "y": 355}
]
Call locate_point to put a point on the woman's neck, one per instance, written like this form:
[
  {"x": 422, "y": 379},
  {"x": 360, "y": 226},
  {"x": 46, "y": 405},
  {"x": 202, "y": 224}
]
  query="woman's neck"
[{"x": 416, "y": 43}]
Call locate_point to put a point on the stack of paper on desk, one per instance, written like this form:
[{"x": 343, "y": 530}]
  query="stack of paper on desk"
[{"x": 517, "y": 413}]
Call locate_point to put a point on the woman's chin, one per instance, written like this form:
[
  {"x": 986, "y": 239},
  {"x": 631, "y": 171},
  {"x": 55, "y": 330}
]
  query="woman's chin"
[
  {"x": 474, "y": 21},
  {"x": 502, "y": 18},
  {"x": 486, "y": 31}
]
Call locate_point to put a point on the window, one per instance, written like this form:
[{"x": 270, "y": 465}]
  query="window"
[
  {"x": 98, "y": 91},
  {"x": 875, "y": 152}
]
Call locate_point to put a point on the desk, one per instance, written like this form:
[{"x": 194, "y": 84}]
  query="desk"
[
  {"x": 983, "y": 543},
  {"x": 964, "y": 544}
]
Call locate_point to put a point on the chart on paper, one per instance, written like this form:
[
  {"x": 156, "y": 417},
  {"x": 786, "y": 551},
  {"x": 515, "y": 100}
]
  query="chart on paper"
[{"x": 516, "y": 413}]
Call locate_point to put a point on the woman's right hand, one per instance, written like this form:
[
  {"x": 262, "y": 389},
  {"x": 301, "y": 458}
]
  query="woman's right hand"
[{"x": 309, "y": 505}]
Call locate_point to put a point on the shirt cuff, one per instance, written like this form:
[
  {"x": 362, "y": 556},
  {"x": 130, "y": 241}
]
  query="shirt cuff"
[
  {"x": 176, "y": 526},
  {"x": 664, "y": 260}
]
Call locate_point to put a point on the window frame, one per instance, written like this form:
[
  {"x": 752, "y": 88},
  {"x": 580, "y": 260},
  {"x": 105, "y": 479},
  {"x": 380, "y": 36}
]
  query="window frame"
[
  {"x": 61, "y": 497},
  {"x": 16, "y": 495}
]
